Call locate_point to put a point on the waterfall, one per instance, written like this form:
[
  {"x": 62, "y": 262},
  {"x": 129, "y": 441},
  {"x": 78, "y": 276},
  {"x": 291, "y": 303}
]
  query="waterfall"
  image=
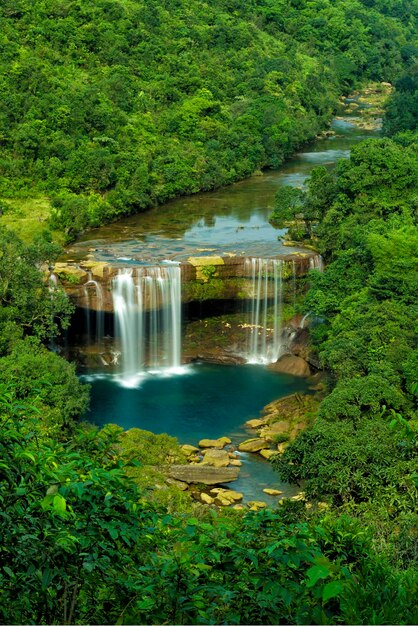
[
  {"x": 264, "y": 337},
  {"x": 316, "y": 263},
  {"x": 147, "y": 307},
  {"x": 53, "y": 281},
  {"x": 304, "y": 318},
  {"x": 98, "y": 308}
]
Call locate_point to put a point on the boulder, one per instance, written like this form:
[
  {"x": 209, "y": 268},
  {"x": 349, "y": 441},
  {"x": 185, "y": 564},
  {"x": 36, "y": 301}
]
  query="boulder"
[
  {"x": 217, "y": 458},
  {"x": 176, "y": 483},
  {"x": 204, "y": 474},
  {"x": 253, "y": 445},
  {"x": 277, "y": 428},
  {"x": 256, "y": 505},
  {"x": 98, "y": 269},
  {"x": 221, "y": 501},
  {"x": 214, "y": 443},
  {"x": 255, "y": 423},
  {"x": 235, "y": 463},
  {"x": 291, "y": 364},
  {"x": 227, "y": 494},
  {"x": 206, "y": 499},
  {"x": 189, "y": 450},
  {"x": 266, "y": 454},
  {"x": 273, "y": 492},
  {"x": 70, "y": 273}
]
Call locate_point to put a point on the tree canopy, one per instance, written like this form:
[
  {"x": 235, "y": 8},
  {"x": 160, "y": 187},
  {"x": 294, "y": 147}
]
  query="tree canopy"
[{"x": 111, "y": 107}]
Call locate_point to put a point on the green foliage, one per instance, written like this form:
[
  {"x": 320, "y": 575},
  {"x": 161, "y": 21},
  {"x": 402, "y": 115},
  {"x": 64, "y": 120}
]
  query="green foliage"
[
  {"x": 25, "y": 297},
  {"x": 402, "y": 108},
  {"x": 208, "y": 271},
  {"x": 353, "y": 462},
  {"x": 361, "y": 452},
  {"x": 111, "y": 109},
  {"x": 47, "y": 381}
]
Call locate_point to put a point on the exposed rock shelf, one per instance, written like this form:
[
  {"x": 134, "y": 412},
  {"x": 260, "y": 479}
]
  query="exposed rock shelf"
[{"x": 203, "y": 278}]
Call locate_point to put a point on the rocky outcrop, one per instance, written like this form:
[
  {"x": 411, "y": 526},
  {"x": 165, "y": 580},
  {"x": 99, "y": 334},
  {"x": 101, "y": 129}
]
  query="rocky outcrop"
[
  {"x": 203, "y": 278},
  {"x": 290, "y": 364},
  {"x": 204, "y": 474},
  {"x": 253, "y": 445},
  {"x": 216, "y": 458},
  {"x": 272, "y": 492},
  {"x": 214, "y": 443}
]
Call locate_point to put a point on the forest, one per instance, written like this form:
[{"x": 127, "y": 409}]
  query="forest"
[{"x": 108, "y": 108}]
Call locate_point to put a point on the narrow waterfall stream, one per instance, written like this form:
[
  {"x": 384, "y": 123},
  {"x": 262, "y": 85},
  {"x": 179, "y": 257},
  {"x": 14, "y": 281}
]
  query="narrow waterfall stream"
[
  {"x": 147, "y": 309},
  {"x": 265, "y": 340}
]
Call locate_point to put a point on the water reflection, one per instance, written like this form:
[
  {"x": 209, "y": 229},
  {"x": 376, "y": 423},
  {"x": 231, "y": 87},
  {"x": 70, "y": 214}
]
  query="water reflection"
[{"x": 233, "y": 219}]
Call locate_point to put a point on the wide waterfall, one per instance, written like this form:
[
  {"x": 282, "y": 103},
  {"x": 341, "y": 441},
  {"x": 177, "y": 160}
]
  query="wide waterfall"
[
  {"x": 265, "y": 331},
  {"x": 147, "y": 308}
]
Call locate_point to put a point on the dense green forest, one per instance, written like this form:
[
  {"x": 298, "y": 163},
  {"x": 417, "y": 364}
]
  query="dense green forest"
[{"x": 110, "y": 107}]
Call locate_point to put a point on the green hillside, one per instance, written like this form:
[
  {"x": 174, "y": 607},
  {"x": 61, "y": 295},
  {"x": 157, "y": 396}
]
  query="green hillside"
[{"x": 108, "y": 107}]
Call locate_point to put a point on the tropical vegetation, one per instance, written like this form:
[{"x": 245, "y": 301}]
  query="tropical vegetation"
[{"x": 108, "y": 107}]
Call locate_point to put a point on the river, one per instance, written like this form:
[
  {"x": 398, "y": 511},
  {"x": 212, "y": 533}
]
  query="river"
[{"x": 207, "y": 400}]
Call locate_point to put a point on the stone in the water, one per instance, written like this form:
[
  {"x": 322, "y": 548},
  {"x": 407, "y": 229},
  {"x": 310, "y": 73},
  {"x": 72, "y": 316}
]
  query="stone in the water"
[
  {"x": 214, "y": 443},
  {"x": 189, "y": 450},
  {"x": 255, "y": 423},
  {"x": 272, "y": 492},
  {"x": 235, "y": 463},
  {"x": 217, "y": 458},
  {"x": 227, "y": 494},
  {"x": 204, "y": 474},
  {"x": 266, "y": 454},
  {"x": 256, "y": 505},
  {"x": 253, "y": 445}
]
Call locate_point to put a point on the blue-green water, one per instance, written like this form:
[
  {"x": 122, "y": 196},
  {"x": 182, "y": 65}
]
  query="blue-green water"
[{"x": 205, "y": 401}]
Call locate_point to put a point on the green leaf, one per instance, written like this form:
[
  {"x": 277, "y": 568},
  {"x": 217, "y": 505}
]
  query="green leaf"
[
  {"x": 316, "y": 573},
  {"x": 331, "y": 590},
  {"x": 59, "y": 504}
]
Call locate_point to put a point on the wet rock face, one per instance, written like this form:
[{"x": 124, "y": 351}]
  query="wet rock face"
[{"x": 290, "y": 364}]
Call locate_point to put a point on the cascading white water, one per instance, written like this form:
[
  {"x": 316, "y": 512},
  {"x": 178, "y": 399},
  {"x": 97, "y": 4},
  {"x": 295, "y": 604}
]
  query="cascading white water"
[
  {"x": 316, "y": 263},
  {"x": 265, "y": 332},
  {"x": 147, "y": 307}
]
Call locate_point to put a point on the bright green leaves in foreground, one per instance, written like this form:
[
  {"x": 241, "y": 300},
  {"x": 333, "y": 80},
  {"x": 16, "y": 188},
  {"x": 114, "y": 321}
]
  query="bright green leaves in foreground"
[{"x": 80, "y": 545}]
